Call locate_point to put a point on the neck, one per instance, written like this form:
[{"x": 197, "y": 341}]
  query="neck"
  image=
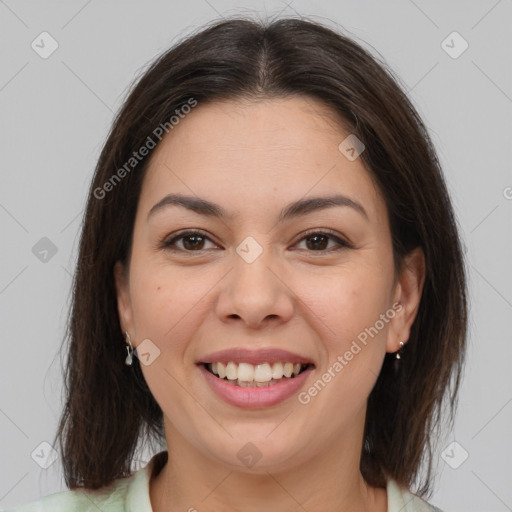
[{"x": 329, "y": 482}]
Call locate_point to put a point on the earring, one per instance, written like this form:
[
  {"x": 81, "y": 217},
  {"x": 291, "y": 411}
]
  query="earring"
[
  {"x": 396, "y": 362},
  {"x": 129, "y": 358}
]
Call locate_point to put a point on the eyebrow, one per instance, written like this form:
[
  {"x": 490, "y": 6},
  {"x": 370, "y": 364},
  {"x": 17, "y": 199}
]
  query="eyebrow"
[{"x": 295, "y": 209}]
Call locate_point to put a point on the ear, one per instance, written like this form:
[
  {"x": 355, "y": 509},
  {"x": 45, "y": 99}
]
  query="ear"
[
  {"x": 124, "y": 304},
  {"x": 407, "y": 293}
]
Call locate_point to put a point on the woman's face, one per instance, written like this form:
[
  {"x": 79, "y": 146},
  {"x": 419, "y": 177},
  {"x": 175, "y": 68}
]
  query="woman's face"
[{"x": 274, "y": 271}]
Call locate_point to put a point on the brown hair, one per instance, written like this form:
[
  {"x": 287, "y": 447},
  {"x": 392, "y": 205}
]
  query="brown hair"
[{"x": 109, "y": 409}]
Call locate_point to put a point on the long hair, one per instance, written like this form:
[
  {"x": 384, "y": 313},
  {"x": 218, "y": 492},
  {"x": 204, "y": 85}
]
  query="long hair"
[{"x": 108, "y": 407}]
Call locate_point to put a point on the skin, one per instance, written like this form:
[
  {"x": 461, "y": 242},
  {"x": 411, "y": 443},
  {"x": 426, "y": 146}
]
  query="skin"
[{"x": 253, "y": 159}]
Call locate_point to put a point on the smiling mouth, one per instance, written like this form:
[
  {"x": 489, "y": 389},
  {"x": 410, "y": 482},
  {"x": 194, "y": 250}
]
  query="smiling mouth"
[{"x": 262, "y": 375}]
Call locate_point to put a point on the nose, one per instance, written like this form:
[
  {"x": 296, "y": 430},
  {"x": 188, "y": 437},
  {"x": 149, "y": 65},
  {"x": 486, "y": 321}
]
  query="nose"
[{"x": 255, "y": 293}]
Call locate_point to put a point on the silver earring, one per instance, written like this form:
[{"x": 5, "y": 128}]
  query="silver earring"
[
  {"x": 399, "y": 350},
  {"x": 129, "y": 358}
]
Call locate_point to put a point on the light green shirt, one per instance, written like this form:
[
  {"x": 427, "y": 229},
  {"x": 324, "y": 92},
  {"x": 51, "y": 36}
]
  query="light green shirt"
[{"x": 131, "y": 494}]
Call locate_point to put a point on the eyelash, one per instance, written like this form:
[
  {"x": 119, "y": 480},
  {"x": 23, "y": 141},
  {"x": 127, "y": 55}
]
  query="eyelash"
[{"x": 343, "y": 244}]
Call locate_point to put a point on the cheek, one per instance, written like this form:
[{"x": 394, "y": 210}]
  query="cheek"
[
  {"x": 349, "y": 312},
  {"x": 168, "y": 307},
  {"x": 348, "y": 300},
  {"x": 168, "y": 302}
]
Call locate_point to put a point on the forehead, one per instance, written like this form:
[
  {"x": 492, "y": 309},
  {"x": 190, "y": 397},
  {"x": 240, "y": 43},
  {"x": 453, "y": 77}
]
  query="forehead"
[
  {"x": 256, "y": 126},
  {"x": 257, "y": 152}
]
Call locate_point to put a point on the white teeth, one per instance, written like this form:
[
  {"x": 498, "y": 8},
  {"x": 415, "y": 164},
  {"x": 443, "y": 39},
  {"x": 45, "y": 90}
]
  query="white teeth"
[
  {"x": 288, "y": 369},
  {"x": 245, "y": 372},
  {"x": 231, "y": 371},
  {"x": 263, "y": 372},
  {"x": 277, "y": 371},
  {"x": 261, "y": 375}
]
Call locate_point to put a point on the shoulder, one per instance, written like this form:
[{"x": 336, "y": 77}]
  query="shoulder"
[
  {"x": 107, "y": 499},
  {"x": 122, "y": 495},
  {"x": 402, "y": 500}
]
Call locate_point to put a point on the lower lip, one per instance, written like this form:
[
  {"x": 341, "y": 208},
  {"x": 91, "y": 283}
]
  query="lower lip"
[{"x": 255, "y": 397}]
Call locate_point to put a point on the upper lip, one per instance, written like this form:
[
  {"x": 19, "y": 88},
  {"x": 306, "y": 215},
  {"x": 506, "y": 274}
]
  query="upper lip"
[{"x": 252, "y": 356}]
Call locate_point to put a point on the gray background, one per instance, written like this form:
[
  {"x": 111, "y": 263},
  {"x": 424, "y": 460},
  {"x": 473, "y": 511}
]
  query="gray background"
[{"x": 55, "y": 114}]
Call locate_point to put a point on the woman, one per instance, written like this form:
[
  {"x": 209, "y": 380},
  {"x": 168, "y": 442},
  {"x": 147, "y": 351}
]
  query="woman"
[{"x": 269, "y": 236}]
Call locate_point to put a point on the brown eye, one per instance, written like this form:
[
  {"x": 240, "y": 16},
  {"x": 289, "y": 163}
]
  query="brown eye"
[
  {"x": 318, "y": 241},
  {"x": 192, "y": 241}
]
